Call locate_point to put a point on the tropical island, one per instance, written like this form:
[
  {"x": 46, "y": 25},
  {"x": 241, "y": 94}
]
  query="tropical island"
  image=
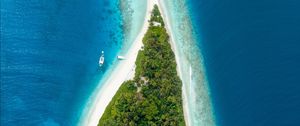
[{"x": 154, "y": 95}]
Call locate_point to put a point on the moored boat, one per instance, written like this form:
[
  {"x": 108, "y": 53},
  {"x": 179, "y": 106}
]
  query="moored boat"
[{"x": 101, "y": 60}]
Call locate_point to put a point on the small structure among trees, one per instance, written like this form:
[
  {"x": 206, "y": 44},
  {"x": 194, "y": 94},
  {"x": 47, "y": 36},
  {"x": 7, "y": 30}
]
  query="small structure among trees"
[{"x": 154, "y": 96}]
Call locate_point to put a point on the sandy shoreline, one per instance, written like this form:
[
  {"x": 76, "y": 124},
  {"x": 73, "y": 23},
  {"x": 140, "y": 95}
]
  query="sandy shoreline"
[
  {"x": 123, "y": 71},
  {"x": 166, "y": 19}
]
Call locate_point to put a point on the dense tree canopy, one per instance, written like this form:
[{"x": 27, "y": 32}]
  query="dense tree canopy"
[{"x": 154, "y": 96}]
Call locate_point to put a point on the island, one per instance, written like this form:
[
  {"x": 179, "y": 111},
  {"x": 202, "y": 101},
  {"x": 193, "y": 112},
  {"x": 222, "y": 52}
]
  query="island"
[{"x": 154, "y": 95}]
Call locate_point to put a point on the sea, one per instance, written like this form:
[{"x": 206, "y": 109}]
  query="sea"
[
  {"x": 49, "y": 57},
  {"x": 50, "y": 51},
  {"x": 251, "y": 54},
  {"x": 245, "y": 54}
]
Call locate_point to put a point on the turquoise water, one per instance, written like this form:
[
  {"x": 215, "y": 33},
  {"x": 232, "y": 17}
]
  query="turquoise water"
[
  {"x": 239, "y": 59},
  {"x": 49, "y": 56},
  {"x": 245, "y": 55},
  {"x": 191, "y": 64},
  {"x": 133, "y": 15}
]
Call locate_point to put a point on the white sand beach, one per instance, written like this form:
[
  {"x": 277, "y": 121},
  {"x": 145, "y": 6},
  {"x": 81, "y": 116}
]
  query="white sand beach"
[
  {"x": 122, "y": 72},
  {"x": 166, "y": 19},
  {"x": 195, "y": 97}
]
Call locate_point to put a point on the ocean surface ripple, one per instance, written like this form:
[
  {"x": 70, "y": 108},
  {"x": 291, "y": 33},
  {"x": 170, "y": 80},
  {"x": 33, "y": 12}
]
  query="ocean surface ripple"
[
  {"x": 251, "y": 52},
  {"x": 49, "y": 57}
]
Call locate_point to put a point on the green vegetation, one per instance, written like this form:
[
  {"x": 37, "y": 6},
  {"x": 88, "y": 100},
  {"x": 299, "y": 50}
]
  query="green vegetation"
[{"x": 154, "y": 96}]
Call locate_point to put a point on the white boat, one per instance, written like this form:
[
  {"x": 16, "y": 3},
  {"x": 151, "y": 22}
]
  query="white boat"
[
  {"x": 121, "y": 57},
  {"x": 101, "y": 60}
]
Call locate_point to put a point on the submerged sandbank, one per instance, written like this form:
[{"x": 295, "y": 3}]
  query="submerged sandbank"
[
  {"x": 196, "y": 101},
  {"x": 121, "y": 72}
]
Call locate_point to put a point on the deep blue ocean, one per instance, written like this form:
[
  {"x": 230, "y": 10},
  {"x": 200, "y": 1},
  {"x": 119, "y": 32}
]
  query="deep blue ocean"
[
  {"x": 251, "y": 51},
  {"x": 49, "y": 57},
  {"x": 50, "y": 51}
]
